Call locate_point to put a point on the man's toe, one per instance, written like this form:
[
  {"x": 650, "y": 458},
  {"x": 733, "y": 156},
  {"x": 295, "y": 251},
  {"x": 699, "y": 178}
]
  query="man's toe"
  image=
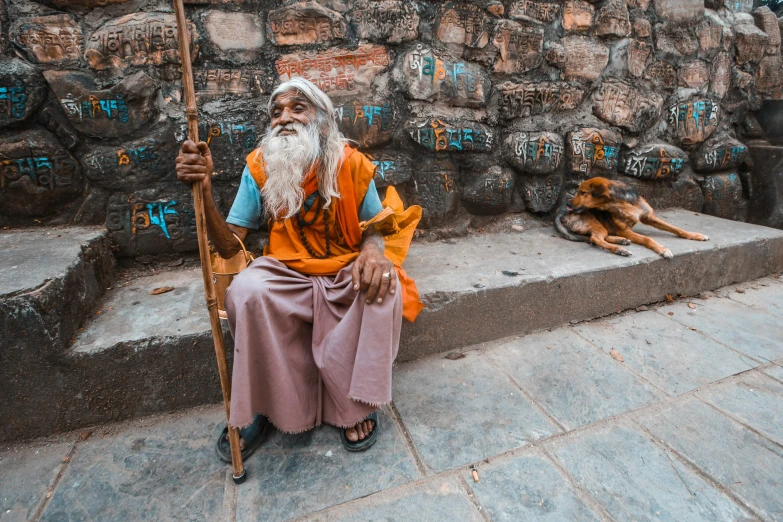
[{"x": 351, "y": 434}]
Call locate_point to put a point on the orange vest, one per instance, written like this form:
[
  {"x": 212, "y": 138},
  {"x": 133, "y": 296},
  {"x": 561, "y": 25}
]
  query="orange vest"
[{"x": 345, "y": 230}]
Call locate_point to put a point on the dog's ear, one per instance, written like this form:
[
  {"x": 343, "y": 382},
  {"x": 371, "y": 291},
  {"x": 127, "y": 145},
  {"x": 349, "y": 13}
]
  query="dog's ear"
[{"x": 599, "y": 191}]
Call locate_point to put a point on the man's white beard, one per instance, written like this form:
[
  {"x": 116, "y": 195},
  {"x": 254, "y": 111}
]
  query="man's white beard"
[{"x": 288, "y": 160}]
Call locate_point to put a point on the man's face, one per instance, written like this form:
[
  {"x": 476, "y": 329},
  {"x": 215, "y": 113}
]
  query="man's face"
[{"x": 291, "y": 107}]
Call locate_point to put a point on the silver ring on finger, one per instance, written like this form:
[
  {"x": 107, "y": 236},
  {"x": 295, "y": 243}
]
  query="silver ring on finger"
[{"x": 386, "y": 275}]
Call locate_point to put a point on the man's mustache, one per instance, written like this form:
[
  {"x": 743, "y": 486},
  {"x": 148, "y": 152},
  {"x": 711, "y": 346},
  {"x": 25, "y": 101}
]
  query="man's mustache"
[{"x": 296, "y": 127}]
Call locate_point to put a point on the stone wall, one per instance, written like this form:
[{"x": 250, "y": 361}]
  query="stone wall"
[{"x": 474, "y": 110}]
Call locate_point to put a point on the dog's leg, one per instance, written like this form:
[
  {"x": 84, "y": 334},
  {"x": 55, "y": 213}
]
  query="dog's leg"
[
  {"x": 617, "y": 240},
  {"x": 660, "y": 224},
  {"x": 645, "y": 242},
  {"x": 600, "y": 238}
]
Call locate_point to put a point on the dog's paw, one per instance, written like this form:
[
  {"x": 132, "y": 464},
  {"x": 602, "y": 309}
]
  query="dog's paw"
[
  {"x": 667, "y": 254},
  {"x": 622, "y": 252},
  {"x": 625, "y": 242},
  {"x": 700, "y": 237}
]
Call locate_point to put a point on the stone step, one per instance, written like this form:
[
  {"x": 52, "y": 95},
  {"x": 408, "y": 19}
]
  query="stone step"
[{"x": 148, "y": 353}]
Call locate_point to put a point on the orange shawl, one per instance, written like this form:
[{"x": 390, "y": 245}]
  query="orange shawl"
[{"x": 345, "y": 232}]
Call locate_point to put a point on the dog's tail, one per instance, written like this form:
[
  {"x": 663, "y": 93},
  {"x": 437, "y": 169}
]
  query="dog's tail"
[{"x": 564, "y": 231}]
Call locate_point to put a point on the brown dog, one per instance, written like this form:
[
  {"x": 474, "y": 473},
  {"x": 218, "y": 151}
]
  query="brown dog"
[{"x": 603, "y": 212}]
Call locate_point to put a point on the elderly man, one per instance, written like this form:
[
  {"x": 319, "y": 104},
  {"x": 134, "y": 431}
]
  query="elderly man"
[{"x": 316, "y": 320}]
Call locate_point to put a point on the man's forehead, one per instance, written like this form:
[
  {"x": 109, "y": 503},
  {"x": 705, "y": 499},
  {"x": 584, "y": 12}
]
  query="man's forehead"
[{"x": 290, "y": 97}]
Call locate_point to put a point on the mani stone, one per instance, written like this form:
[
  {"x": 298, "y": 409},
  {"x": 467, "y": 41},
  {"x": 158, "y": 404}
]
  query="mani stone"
[
  {"x": 443, "y": 136},
  {"x": 751, "y": 43},
  {"x": 133, "y": 164},
  {"x": 463, "y": 23},
  {"x": 638, "y": 53},
  {"x": 304, "y": 23},
  {"x": 540, "y": 192},
  {"x": 52, "y": 39},
  {"x": 719, "y": 153},
  {"x": 234, "y": 32},
  {"x": 675, "y": 40},
  {"x": 578, "y": 15},
  {"x": 137, "y": 39},
  {"x": 105, "y": 113},
  {"x": 517, "y": 100},
  {"x": 679, "y": 11},
  {"x": 769, "y": 77},
  {"x": 230, "y": 140},
  {"x": 22, "y": 90},
  {"x": 710, "y": 32},
  {"x": 694, "y": 74},
  {"x": 683, "y": 192},
  {"x": 534, "y": 152},
  {"x": 520, "y": 48},
  {"x": 693, "y": 121},
  {"x": 434, "y": 188},
  {"x": 642, "y": 27},
  {"x": 239, "y": 81},
  {"x": 723, "y": 196},
  {"x": 720, "y": 75},
  {"x": 536, "y": 11},
  {"x": 337, "y": 72},
  {"x": 432, "y": 77},
  {"x": 37, "y": 174},
  {"x": 489, "y": 193},
  {"x": 592, "y": 152},
  {"x": 653, "y": 161},
  {"x": 663, "y": 74},
  {"x": 613, "y": 19},
  {"x": 393, "y": 21},
  {"x": 580, "y": 57},
  {"x": 368, "y": 123},
  {"x": 391, "y": 168},
  {"x": 619, "y": 103},
  {"x": 768, "y": 22}
]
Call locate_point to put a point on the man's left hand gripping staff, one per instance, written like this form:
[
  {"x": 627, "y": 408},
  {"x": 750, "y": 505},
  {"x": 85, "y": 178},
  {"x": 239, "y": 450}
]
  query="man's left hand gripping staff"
[{"x": 372, "y": 271}]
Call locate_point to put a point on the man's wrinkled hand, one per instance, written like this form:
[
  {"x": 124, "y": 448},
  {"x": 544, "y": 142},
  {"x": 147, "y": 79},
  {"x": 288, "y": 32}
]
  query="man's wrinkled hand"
[
  {"x": 194, "y": 163},
  {"x": 368, "y": 274}
]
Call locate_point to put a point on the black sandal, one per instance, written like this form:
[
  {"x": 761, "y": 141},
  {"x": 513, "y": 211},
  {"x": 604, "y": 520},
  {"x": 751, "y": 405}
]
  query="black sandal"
[
  {"x": 361, "y": 445},
  {"x": 253, "y": 435}
]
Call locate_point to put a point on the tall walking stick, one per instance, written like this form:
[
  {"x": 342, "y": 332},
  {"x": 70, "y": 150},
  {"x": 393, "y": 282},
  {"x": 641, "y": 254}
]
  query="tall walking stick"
[{"x": 238, "y": 469}]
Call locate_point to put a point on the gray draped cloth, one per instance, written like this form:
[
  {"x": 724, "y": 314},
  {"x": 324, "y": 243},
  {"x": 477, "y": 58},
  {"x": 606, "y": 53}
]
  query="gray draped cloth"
[{"x": 308, "y": 349}]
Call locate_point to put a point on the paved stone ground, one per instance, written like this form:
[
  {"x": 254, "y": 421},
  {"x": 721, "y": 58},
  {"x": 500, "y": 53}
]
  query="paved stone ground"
[{"x": 669, "y": 413}]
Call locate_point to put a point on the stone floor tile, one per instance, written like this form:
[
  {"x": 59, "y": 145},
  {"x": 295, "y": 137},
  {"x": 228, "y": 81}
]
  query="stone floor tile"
[
  {"x": 759, "y": 335},
  {"x": 636, "y": 480},
  {"x": 461, "y": 411},
  {"x": 293, "y": 475},
  {"x": 436, "y": 501},
  {"x": 767, "y": 298},
  {"x": 753, "y": 399},
  {"x": 26, "y": 474},
  {"x": 744, "y": 463},
  {"x": 571, "y": 379},
  {"x": 527, "y": 488},
  {"x": 669, "y": 355},
  {"x": 166, "y": 471},
  {"x": 775, "y": 372}
]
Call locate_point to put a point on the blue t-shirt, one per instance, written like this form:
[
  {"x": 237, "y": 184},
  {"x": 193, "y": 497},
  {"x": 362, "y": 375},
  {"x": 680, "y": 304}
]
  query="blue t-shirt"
[{"x": 247, "y": 208}]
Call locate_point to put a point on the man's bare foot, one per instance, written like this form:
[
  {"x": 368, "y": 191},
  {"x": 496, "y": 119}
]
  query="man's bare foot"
[{"x": 361, "y": 431}]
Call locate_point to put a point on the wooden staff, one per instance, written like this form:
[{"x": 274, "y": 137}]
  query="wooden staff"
[{"x": 238, "y": 469}]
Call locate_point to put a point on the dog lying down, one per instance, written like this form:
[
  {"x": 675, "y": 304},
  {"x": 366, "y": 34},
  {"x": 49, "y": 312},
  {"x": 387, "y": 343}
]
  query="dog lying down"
[{"x": 603, "y": 212}]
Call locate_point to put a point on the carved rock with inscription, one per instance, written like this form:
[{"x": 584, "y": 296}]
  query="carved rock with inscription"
[
  {"x": 769, "y": 76},
  {"x": 230, "y": 139},
  {"x": 391, "y": 167},
  {"x": 517, "y": 100},
  {"x": 768, "y": 22},
  {"x": 104, "y": 113},
  {"x": 337, "y": 72},
  {"x": 304, "y": 23},
  {"x": 434, "y": 188},
  {"x": 653, "y": 161},
  {"x": 488, "y": 192},
  {"x": 134, "y": 164},
  {"x": 578, "y": 15},
  {"x": 540, "y": 192},
  {"x": 520, "y": 48},
  {"x": 710, "y": 32},
  {"x": 236, "y": 35},
  {"x": 662, "y": 74},
  {"x": 22, "y": 90},
  {"x": 463, "y": 23},
  {"x": 446, "y": 136},
  {"x": 675, "y": 40},
  {"x": 137, "y": 39},
  {"x": 536, "y": 11},
  {"x": 51, "y": 39},
  {"x": 723, "y": 196},
  {"x": 638, "y": 53},
  {"x": 432, "y": 77},
  {"x": 37, "y": 174},
  {"x": 751, "y": 43},
  {"x": 619, "y": 103},
  {"x": 533, "y": 152},
  {"x": 613, "y": 19},
  {"x": 719, "y": 153},
  {"x": 593, "y": 152},
  {"x": 642, "y": 28},
  {"x": 368, "y": 123},
  {"x": 392, "y": 21},
  {"x": 693, "y": 121},
  {"x": 720, "y": 75},
  {"x": 579, "y": 57},
  {"x": 215, "y": 82},
  {"x": 694, "y": 75},
  {"x": 679, "y": 11}
]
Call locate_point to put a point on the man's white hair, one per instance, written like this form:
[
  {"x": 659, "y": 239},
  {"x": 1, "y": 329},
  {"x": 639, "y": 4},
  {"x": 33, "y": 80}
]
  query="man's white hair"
[{"x": 320, "y": 142}]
